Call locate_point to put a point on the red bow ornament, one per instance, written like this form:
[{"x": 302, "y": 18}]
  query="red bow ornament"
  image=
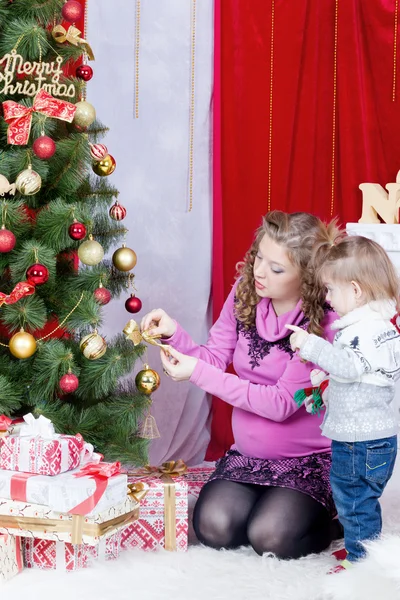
[
  {"x": 19, "y": 117},
  {"x": 22, "y": 289}
]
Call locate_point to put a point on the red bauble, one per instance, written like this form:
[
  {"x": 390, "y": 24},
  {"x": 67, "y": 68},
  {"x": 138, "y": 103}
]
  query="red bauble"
[
  {"x": 102, "y": 295},
  {"x": 84, "y": 72},
  {"x": 44, "y": 147},
  {"x": 37, "y": 274},
  {"x": 7, "y": 240},
  {"x": 68, "y": 383},
  {"x": 77, "y": 231},
  {"x": 117, "y": 211},
  {"x": 133, "y": 304},
  {"x": 72, "y": 11}
]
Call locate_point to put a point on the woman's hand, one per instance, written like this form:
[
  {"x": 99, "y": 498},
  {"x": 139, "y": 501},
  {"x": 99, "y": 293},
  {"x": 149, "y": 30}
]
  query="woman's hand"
[
  {"x": 158, "y": 323},
  {"x": 176, "y": 365},
  {"x": 298, "y": 338}
]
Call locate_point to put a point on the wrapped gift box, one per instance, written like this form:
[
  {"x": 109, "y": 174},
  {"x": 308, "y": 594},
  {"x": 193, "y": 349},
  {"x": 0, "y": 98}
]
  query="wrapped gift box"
[
  {"x": 50, "y": 554},
  {"x": 36, "y": 448},
  {"x": 37, "y": 521},
  {"x": 10, "y": 556},
  {"x": 79, "y": 491},
  {"x": 164, "y": 521},
  {"x": 40, "y": 455}
]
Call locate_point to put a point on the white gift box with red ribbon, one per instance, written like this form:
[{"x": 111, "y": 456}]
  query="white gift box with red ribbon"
[
  {"x": 36, "y": 448},
  {"x": 88, "y": 490}
]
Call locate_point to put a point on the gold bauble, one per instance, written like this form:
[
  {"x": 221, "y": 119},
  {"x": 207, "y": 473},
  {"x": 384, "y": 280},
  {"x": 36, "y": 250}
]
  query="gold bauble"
[
  {"x": 105, "y": 166},
  {"x": 147, "y": 381},
  {"x": 85, "y": 114},
  {"x": 28, "y": 182},
  {"x": 124, "y": 259},
  {"x": 93, "y": 346},
  {"x": 22, "y": 344},
  {"x": 90, "y": 252}
]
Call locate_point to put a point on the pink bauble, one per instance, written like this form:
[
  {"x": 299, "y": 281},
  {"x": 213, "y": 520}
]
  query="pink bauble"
[
  {"x": 133, "y": 304},
  {"x": 72, "y": 11},
  {"x": 68, "y": 383},
  {"x": 44, "y": 147},
  {"x": 117, "y": 212},
  {"x": 37, "y": 274},
  {"x": 84, "y": 72},
  {"x": 7, "y": 240},
  {"x": 98, "y": 151},
  {"x": 102, "y": 295}
]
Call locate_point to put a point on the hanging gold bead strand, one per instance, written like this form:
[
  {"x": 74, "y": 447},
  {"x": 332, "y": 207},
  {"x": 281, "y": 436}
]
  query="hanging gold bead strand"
[
  {"x": 85, "y": 30},
  {"x": 58, "y": 326},
  {"x": 136, "y": 58},
  {"x": 192, "y": 101},
  {"x": 335, "y": 46},
  {"x": 271, "y": 84},
  {"x": 396, "y": 20}
]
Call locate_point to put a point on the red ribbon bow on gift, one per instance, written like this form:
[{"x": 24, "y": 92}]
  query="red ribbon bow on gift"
[
  {"x": 100, "y": 473},
  {"x": 5, "y": 422},
  {"x": 19, "y": 117},
  {"x": 101, "y": 470},
  {"x": 22, "y": 289}
]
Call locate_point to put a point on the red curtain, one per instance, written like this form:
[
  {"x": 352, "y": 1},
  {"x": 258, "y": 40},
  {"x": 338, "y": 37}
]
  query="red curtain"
[{"x": 316, "y": 161}]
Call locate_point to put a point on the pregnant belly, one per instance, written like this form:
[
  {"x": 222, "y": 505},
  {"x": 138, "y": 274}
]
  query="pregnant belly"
[{"x": 299, "y": 435}]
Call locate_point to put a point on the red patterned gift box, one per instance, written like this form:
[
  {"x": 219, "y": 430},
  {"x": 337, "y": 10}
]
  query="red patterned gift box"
[
  {"x": 49, "y": 554},
  {"x": 163, "y": 519},
  {"x": 161, "y": 525},
  {"x": 39, "y": 455},
  {"x": 36, "y": 448},
  {"x": 10, "y": 556}
]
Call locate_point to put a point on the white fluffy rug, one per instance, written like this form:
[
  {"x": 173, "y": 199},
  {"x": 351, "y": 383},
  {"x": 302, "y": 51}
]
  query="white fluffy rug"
[{"x": 205, "y": 574}]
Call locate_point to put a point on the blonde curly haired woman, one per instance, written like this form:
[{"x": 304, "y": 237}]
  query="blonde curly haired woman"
[{"x": 271, "y": 489}]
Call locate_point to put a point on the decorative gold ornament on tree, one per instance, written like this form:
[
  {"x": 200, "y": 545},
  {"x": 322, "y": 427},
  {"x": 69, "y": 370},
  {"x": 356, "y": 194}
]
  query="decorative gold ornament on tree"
[
  {"x": 28, "y": 182},
  {"x": 105, "y": 166},
  {"x": 85, "y": 114},
  {"x": 22, "y": 344},
  {"x": 90, "y": 252},
  {"x": 149, "y": 429},
  {"x": 147, "y": 380},
  {"x": 124, "y": 259},
  {"x": 93, "y": 346}
]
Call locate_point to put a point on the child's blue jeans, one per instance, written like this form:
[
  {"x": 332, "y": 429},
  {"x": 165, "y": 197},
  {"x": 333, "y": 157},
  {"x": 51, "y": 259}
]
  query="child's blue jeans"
[{"x": 359, "y": 474}]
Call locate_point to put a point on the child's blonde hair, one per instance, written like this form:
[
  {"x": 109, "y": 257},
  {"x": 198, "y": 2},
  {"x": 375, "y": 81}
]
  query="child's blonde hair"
[{"x": 345, "y": 258}]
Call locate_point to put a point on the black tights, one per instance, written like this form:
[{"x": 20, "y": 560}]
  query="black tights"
[{"x": 286, "y": 522}]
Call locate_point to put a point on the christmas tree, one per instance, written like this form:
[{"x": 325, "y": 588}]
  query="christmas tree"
[{"x": 56, "y": 226}]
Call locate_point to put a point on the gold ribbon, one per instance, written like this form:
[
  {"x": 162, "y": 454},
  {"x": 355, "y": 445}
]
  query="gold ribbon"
[
  {"x": 75, "y": 526},
  {"x": 133, "y": 333},
  {"x": 166, "y": 472},
  {"x": 137, "y": 491},
  {"x": 61, "y": 35}
]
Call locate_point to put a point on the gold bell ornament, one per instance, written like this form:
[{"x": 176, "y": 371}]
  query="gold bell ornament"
[
  {"x": 22, "y": 344},
  {"x": 147, "y": 380},
  {"x": 148, "y": 429},
  {"x": 124, "y": 259},
  {"x": 93, "y": 346}
]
